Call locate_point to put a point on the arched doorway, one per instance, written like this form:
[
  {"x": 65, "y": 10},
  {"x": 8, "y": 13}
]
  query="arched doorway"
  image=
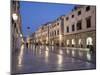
[
  {"x": 73, "y": 42},
  {"x": 52, "y": 42},
  {"x": 80, "y": 43},
  {"x": 89, "y": 43},
  {"x": 67, "y": 42}
]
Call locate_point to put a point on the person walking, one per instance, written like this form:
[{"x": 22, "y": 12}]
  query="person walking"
[{"x": 27, "y": 44}]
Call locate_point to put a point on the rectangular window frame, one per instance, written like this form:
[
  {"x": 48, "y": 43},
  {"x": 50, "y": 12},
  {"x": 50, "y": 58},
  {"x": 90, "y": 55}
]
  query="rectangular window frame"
[
  {"x": 79, "y": 25},
  {"x": 88, "y": 22},
  {"x": 67, "y": 29},
  {"x": 73, "y": 27}
]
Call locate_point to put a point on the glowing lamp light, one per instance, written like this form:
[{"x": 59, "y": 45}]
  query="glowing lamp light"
[
  {"x": 60, "y": 59},
  {"x": 15, "y": 16},
  {"x": 88, "y": 56},
  {"x": 60, "y": 37},
  {"x": 73, "y": 42},
  {"x": 47, "y": 38},
  {"x": 67, "y": 42},
  {"x": 20, "y": 57},
  {"x": 21, "y": 35}
]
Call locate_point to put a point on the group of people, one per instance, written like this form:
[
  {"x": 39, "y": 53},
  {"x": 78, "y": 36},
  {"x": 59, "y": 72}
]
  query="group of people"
[
  {"x": 91, "y": 48},
  {"x": 27, "y": 44}
]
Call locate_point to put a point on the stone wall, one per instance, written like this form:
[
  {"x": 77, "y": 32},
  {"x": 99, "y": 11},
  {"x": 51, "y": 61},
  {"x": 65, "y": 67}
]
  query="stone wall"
[{"x": 83, "y": 36}]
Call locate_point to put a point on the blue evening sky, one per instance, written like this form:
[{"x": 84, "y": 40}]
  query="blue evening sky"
[{"x": 34, "y": 14}]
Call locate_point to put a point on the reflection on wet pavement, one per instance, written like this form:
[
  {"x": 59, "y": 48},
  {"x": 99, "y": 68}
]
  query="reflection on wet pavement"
[
  {"x": 88, "y": 56},
  {"x": 20, "y": 57},
  {"x": 50, "y": 58},
  {"x": 60, "y": 59}
]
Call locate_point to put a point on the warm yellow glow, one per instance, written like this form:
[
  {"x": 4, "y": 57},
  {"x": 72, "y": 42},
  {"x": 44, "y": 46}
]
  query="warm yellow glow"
[
  {"x": 52, "y": 47},
  {"x": 46, "y": 56},
  {"x": 52, "y": 42},
  {"x": 60, "y": 51},
  {"x": 73, "y": 41},
  {"x": 60, "y": 59},
  {"x": 88, "y": 56},
  {"x": 80, "y": 54},
  {"x": 67, "y": 42},
  {"x": 21, "y": 35},
  {"x": 22, "y": 40},
  {"x": 46, "y": 38},
  {"x": 60, "y": 37},
  {"x": 89, "y": 41},
  {"x": 73, "y": 53},
  {"x": 67, "y": 51},
  {"x": 80, "y": 41},
  {"x": 20, "y": 57},
  {"x": 15, "y": 17},
  {"x": 46, "y": 53},
  {"x": 47, "y": 48}
]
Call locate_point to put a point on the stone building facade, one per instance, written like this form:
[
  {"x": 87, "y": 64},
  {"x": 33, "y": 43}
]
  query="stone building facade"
[
  {"x": 16, "y": 33},
  {"x": 80, "y": 27},
  {"x": 44, "y": 34},
  {"x": 76, "y": 29},
  {"x": 37, "y": 36},
  {"x": 56, "y": 32}
]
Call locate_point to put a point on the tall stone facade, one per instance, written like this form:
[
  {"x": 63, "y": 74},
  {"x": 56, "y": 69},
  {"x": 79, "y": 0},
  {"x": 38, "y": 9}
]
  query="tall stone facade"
[
  {"x": 76, "y": 29},
  {"x": 80, "y": 27},
  {"x": 16, "y": 32}
]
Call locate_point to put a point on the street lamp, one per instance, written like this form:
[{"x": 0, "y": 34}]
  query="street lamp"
[
  {"x": 21, "y": 35},
  {"x": 14, "y": 16}
]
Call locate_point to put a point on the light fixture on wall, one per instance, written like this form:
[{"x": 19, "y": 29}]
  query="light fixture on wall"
[{"x": 14, "y": 16}]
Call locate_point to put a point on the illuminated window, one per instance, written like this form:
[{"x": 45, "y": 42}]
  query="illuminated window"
[
  {"x": 73, "y": 42},
  {"x": 67, "y": 42},
  {"x": 89, "y": 41},
  {"x": 80, "y": 41}
]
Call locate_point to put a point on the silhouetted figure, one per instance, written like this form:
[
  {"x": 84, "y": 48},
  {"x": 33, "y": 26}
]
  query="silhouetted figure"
[
  {"x": 26, "y": 44},
  {"x": 91, "y": 49},
  {"x": 35, "y": 46}
]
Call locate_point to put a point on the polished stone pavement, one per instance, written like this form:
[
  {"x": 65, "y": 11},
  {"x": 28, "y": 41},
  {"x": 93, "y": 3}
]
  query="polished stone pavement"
[{"x": 36, "y": 59}]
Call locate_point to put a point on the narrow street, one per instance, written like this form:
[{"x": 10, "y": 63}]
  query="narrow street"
[{"x": 33, "y": 59}]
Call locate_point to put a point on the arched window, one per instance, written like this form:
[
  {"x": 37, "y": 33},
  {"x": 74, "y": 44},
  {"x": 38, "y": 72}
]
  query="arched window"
[
  {"x": 80, "y": 41},
  {"x": 89, "y": 41},
  {"x": 52, "y": 42},
  {"x": 67, "y": 42},
  {"x": 73, "y": 41}
]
